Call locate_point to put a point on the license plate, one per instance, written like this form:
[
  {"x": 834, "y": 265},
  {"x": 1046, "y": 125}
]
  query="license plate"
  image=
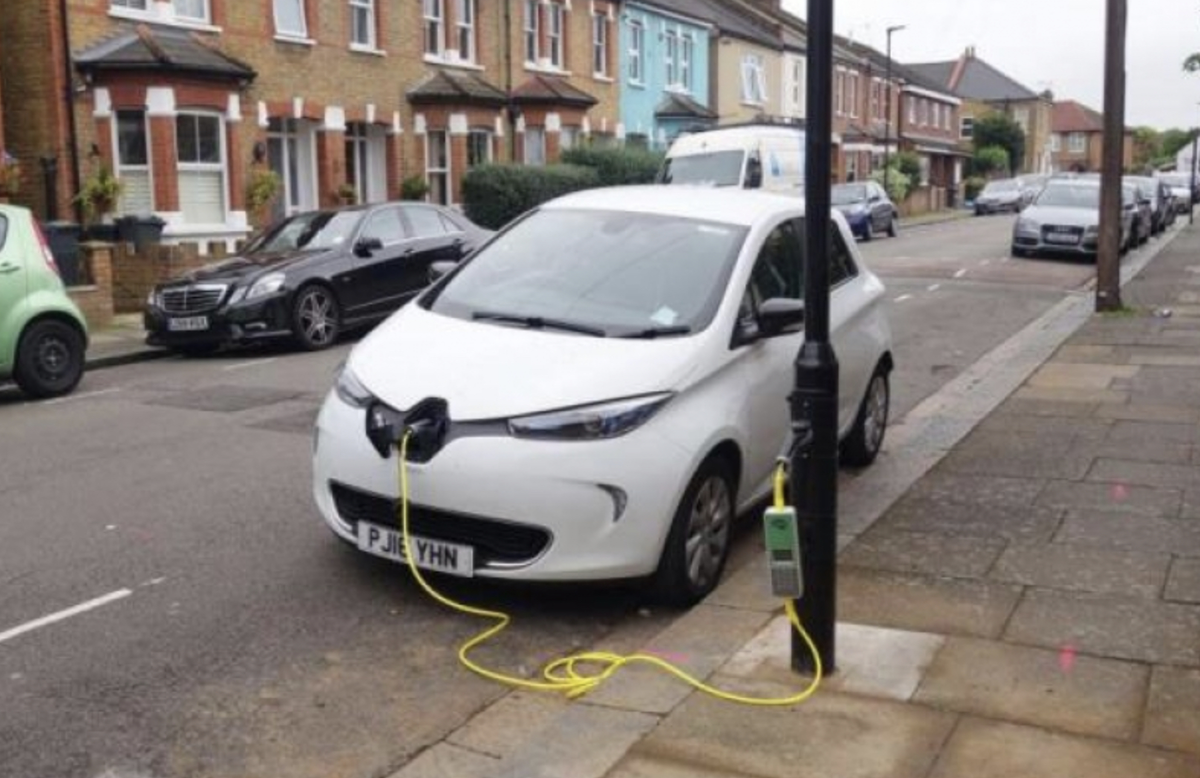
[
  {"x": 1065, "y": 238},
  {"x": 435, "y": 555},
  {"x": 188, "y": 324}
]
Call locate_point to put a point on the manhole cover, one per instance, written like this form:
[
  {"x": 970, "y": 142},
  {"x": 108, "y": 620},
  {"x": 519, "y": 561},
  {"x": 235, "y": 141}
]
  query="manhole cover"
[
  {"x": 225, "y": 399},
  {"x": 299, "y": 423}
]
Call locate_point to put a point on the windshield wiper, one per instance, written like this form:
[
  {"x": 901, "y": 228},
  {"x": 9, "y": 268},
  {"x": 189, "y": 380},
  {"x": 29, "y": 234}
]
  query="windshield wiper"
[
  {"x": 539, "y": 323},
  {"x": 657, "y": 332}
]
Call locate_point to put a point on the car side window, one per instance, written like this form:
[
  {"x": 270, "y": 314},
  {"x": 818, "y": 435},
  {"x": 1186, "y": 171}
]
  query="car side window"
[
  {"x": 385, "y": 224},
  {"x": 779, "y": 270},
  {"x": 841, "y": 263},
  {"x": 426, "y": 222},
  {"x": 449, "y": 224},
  {"x": 3, "y": 230}
]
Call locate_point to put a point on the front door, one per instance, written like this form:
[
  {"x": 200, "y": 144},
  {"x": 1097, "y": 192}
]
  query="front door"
[{"x": 13, "y": 288}]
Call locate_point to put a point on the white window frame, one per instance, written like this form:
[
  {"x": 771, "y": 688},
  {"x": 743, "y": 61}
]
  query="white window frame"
[
  {"x": 600, "y": 44},
  {"x": 122, "y": 170},
  {"x": 430, "y": 171},
  {"x": 1077, "y": 142},
  {"x": 539, "y": 132},
  {"x": 299, "y": 194},
  {"x": 364, "y": 162},
  {"x": 852, "y": 83},
  {"x": 302, "y": 33},
  {"x": 671, "y": 57},
  {"x": 912, "y": 111},
  {"x": 209, "y": 167},
  {"x": 687, "y": 53},
  {"x": 1056, "y": 142},
  {"x": 489, "y": 136},
  {"x": 556, "y": 35},
  {"x": 754, "y": 86},
  {"x": 364, "y": 9},
  {"x": 205, "y": 16},
  {"x": 433, "y": 27},
  {"x": 839, "y": 92},
  {"x": 966, "y": 127},
  {"x": 937, "y": 115},
  {"x": 139, "y": 6},
  {"x": 464, "y": 23},
  {"x": 947, "y": 117},
  {"x": 532, "y": 31},
  {"x": 637, "y": 49}
]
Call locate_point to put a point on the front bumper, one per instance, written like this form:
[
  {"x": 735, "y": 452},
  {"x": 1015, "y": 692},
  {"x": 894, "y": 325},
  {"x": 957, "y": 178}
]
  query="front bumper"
[
  {"x": 601, "y": 509},
  {"x": 261, "y": 319},
  {"x": 1034, "y": 241}
]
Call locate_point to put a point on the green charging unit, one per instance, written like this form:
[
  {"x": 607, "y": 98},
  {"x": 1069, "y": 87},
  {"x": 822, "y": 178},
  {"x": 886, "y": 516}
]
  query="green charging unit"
[{"x": 782, "y": 537}]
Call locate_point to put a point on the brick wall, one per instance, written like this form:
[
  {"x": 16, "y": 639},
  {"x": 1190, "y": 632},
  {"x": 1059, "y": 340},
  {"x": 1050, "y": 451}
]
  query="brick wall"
[
  {"x": 135, "y": 274},
  {"x": 96, "y": 298}
]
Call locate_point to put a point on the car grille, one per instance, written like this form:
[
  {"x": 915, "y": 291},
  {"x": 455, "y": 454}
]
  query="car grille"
[
  {"x": 1054, "y": 230},
  {"x": 192, "y": 299},
  {"x": 493, "y": 540}
]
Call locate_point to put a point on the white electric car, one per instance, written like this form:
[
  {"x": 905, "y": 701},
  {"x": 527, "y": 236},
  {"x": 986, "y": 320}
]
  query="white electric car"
[{"x": 605, "y": 386}]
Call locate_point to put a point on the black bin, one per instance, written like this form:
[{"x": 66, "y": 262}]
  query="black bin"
[
  {"x": 63, "y": 238},
  {"x": 141, "y": 230}
]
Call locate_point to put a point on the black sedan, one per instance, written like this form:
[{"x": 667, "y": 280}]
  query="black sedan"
[{"x": 310, "y": 277}]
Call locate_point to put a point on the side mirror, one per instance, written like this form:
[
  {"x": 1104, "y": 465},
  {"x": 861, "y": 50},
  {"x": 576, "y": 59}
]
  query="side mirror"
[
  {"x": 437, "y": 270},
  {"x": 367, "y": 246},
  {"x": 781, "y": 316},
  {"x": 754, "y": 173},
  {"x": 874, "y": 198}
]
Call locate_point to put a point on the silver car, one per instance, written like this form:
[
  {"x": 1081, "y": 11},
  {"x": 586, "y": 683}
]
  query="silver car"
[
  {"x": 1065, "y": 218},
  {"x": 997, "y": 196}
]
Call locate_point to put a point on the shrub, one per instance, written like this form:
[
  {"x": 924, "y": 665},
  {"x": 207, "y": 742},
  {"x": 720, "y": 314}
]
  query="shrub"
[
  {"x": 909, "y": 163},
  {"x": 973, "y": 186},
  {"x": 898, "y": 184},
  {"x": 494, "y": 195},
  {"x": 617, "y": 166},
  {"x": 414, "y": 188},
  {"x": 990, "y": 159}
]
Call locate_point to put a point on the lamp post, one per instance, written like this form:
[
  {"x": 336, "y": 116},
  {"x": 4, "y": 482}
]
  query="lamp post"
[
  {"x": 1108, "y": 261},
  {"x": 887, "y": 119}
]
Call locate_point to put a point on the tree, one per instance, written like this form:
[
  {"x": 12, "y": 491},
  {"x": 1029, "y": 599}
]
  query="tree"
[
  {"x": 1173, "y": 140},
  {"x": 1147, "y": 147},
  {"x": 990, "y": 159},
  {"x": 997, "y": 129},
  {"x": 909, "y": 163}
]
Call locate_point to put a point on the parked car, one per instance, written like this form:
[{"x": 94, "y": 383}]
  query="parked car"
[
  {"x": 310, "y": 277},
  {"x": 610, "y": 375},
  {"x": 1159, "y": 196},
  {"x": 867, "y": 209},
  {"x": 43, "y": 334},
  {"x": 1031, "y": 186},
  {"x": 1065, "y": 218},
  {"x": 997, "y": 196},
  {"x": 1143, "y": 217},
  {"x": 754, "y": 156},
  {"x": 1181, "y": 189}
]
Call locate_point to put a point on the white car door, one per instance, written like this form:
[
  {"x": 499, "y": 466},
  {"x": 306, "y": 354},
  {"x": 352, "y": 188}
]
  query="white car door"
[{"x": 850, "y": 309}]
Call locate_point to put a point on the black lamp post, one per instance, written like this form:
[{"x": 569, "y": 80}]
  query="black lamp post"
[
  {"x": 814, "y": 396},
  {"x": 887, "y": 123}
]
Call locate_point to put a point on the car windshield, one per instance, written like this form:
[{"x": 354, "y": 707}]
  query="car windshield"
[
  {"x": 998, "y": 187},
  {"x": 845, "y": 194},
  {"x": 309, "y": 232},
  {"x": 1070, "y": 196},
  {"x": 614, "y": 273},
  {"x": 719, "y": 168}
]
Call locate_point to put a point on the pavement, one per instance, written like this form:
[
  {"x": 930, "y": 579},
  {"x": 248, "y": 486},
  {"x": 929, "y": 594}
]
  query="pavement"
[{"x": 1018, "y": 592}]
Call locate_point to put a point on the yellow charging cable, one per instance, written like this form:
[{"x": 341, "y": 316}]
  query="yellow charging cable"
[{"x": 567, "y": 675}]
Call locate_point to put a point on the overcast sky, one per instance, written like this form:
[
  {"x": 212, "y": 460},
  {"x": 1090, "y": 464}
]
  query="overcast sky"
[{"x": 1055, "y": 44}]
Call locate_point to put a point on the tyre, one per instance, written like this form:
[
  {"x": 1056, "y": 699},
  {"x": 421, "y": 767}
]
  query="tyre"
[
  {"x": 1017, "y": 251},
  {"x": 892, "y": 227},
  {"x": 865, "y": 440},
  {"x": 697, "y": 546},
  {"x": 49, "y": 359},
  {"x": 316, "y": 318},
  {"x": 867, "y": 233}
]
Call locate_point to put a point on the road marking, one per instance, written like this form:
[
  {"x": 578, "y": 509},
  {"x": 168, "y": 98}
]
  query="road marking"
[
  {"x": 934, "y": 287},
  {"x": 252, "y": 363},
  {"x": 84, "y": 396},
  {"x": 64, "y": 614},
  {"x": 961, "y": 273},
  {"x": 903, "y": 297},
  {"x": 985, "y": 262}
]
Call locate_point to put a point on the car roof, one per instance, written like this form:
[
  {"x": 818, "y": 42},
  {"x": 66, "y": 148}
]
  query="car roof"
[{"x": 727, "y": 205}]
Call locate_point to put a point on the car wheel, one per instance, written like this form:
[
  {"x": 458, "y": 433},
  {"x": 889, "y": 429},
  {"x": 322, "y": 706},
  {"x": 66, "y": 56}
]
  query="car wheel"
[
  {"x": 865, "y": 440},
  {"x": 49, "y": 359},
  {"x": 1019, "y": 252},
  {"x": 893, "y": 228},
  {"x": 316, "y": 318},
  {"x": 698, "y": 544},
  {"x": 867, "y": 233}
]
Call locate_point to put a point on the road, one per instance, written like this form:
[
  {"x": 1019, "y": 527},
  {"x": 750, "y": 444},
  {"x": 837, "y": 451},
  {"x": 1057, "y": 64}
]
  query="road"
[{"x": 170, "y": 604}]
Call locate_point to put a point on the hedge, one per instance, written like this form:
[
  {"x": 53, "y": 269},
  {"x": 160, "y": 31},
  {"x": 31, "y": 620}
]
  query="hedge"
[
  {"x": 617, "y": 166},
  {"x": 494, "y": 195}
]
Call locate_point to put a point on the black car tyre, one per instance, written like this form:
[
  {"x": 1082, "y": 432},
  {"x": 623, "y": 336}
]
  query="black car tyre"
[
  {"x": 865, "y": 440},
  {"x": 867, "y": 232},
  {"x": 49, "y": 359},
  {"x": 892, "y": 227},
  {"x": 697, "y": 546},
  {"x": 316, "y": 318},
  {"x": 1017, "y": 251}
]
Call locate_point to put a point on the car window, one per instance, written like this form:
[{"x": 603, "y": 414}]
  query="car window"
[
  {"x": 841, "y": 263},
  {"x": 426, "y": 222},
  {"x": 718, "y": 168},
  {"x": 385, "y": 224},
  {"x": 779, "y": 269},
  {"x": 309, "y": 232},
  {"x": 449, "y": 224},
  {"x": 3, "y": 230}
]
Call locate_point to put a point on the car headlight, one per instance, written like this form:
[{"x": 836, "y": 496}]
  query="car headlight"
[
  {"x": 152, "y": 299},
  {"x": 592, "y": 422},
  {"x": 351, "y": 390},
  {"x": 1027, "y": 225},
  {"x": 268, "y": 284}
]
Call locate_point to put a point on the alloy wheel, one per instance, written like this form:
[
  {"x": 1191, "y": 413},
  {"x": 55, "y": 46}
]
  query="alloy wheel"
[
  {"x": 875, "y": 417},
  {"x": 708, "y": 531},
  {"x": 317, "y": 317}
]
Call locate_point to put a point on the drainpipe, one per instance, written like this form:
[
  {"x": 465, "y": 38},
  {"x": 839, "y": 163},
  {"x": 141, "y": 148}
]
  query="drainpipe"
[
  {"x": 509, "y": 112},
  {"x": 69, "y": 101}
]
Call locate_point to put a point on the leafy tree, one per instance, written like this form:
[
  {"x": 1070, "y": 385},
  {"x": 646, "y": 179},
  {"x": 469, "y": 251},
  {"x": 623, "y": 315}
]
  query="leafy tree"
[
  {"x": 1147, "y": 146},
  {"x": 898, "y": 184},
  {"x": 997, "y": 129},
  {"x": 909, "y": 163},
  {"x": 1173, "y": 140},
  {"x": 989, "y": 160}
]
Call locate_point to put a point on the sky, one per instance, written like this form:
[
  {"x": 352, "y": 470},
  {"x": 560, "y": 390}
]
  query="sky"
[{"x": 1046, "y": 44}]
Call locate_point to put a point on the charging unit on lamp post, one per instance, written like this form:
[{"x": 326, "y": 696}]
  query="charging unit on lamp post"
[{"x": 782, "y": 537}]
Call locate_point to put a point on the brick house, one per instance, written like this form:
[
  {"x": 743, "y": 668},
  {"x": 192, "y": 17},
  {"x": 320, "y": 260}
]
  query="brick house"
[
  {"x": 863, "y": 95},
  {"x": 185, "y": 99},
  {"x": 1077, "y": 139},
  {"x": 930, "y": 126}
]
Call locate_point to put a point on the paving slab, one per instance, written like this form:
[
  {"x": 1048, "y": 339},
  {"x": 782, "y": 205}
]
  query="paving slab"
[
  {"x": 1018, "y": 406},
  {"x": 1145, "y": 473},
  {"x": 945, "y": 486},
  {"x": 1148, "y": 411},
  {"x": 1072, "y": 394},
  {"x": 954, "y": 556},
  {"x": 1084, "y": 568},
  {"x": 1071, "y": 375},
  {"x": 1015, "y": 524},
  {"x": 748, "y": 588},
  {"x": 1081, "y": 496},
  {"x": 871, "y": 661},
  {"x": 924, "y": 603},
  {"x": 448, "y": 761},
  {"x": 1108, "y": 355},
  {"x": 1019, "y": 454},
  {"x": 992, "y": 749},
  {"x": 1046, "y": 688},
  {"x": 1107, "y": 625},
  {"x": 1067, "y": 426},
  {"x": 1144, "y": 450},
  {"x": 1124, "y": 430},
  {"x": 646, "y": 766},
  {"x": 830, "y": 736},
  {"x": 491, "y": 732},
  {"x": 1173, "y": 711},
  {"x": 1131, "y": 531},
  {"x": 586, "y": 741},
  {"x": 1183, "y": 583},
  {"x": 1145, "y": 357}
]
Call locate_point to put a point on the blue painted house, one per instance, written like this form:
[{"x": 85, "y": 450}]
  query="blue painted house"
[{"x": 664, "y": 67}]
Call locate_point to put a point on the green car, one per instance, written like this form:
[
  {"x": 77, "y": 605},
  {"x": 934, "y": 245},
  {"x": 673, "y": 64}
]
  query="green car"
[{"x": 43, "y": 336}]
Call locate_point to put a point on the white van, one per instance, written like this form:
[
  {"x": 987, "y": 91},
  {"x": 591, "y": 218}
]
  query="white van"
[{"x": 748, "y": 157}]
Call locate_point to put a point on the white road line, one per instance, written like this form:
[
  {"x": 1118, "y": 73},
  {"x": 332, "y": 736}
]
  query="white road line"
[
  {"x": 903, "y": 297},
  {"x": 934, "y": 287},
  {"x": 985, "y": 262},
  {"x": 961, "y": 273},
  {"x": 83, "y": 396},
  {"x": 65, "y": 614},
  {"x": 252, "y": 363}
]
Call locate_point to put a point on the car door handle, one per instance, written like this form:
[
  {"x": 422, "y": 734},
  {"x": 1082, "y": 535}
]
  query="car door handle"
[{"x": 9, "y": 268}]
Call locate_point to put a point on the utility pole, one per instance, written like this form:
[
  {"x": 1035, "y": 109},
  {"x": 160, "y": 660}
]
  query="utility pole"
[
  {"x": 814, "y": 396},
  {"x": 1108, "y": 259},
  {"x": 887, "y": 125},
  {"x": 1192, "y": 179}
]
